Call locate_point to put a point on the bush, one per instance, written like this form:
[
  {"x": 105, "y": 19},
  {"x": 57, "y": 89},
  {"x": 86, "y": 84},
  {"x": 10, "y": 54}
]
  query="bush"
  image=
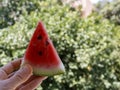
[
  {"x": 89, "y": 48},
  {"x": 112, "y": 12},
  {"x": 11, "y": 10}
]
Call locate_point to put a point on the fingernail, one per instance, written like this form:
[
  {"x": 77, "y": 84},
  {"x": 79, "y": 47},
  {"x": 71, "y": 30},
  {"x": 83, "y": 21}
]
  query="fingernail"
[{"x": 45, "y": 78}]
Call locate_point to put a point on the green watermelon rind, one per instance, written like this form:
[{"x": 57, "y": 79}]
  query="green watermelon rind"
[
  {"x": 42, "y": 71},
  {"x": 47, "y": 72}
]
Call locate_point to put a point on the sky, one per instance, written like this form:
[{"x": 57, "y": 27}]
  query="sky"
[{"x": 95, "y": 1}]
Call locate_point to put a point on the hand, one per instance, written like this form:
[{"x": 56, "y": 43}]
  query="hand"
[{"x": 13, "y": 79}]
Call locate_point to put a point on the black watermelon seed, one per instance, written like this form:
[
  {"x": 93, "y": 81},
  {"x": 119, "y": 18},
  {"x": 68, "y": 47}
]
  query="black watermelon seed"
[
  {"x": 39, "y": 37},
  {"x": 46, "y": 43},
  {"x": 40, "y": 53}
]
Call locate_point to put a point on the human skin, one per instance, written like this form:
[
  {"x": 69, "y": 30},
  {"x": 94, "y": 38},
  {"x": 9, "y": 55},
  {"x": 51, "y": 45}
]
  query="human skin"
[{"x": 12, "y": 77}]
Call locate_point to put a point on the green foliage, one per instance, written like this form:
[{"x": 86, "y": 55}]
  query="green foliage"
[
  {"x": 112, "y": 12},
  {"x": 89, "y": 48},
  {"x": 10, "y": 10}
]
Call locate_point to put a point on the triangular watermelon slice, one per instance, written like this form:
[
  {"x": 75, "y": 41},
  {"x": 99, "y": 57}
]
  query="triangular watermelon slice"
[{"x": 41, "y": 54}]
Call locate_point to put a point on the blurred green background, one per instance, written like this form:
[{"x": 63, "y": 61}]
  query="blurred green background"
[{"x": 88, "y": 47}]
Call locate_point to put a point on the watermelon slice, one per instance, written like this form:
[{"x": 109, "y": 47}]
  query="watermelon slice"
[{"x": 41, "y": 54}]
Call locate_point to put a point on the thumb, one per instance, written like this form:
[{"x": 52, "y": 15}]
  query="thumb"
[{"x": 20, "y": 76}]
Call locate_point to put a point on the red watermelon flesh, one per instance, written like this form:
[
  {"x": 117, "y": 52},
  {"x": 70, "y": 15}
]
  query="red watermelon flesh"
[{"x": 42, "y": 55}]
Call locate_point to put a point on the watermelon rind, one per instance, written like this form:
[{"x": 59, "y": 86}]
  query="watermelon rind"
[{"x": 46, "y": 71}]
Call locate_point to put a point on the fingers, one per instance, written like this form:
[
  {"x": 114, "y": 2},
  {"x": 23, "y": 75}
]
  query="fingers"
[
  {"x": 20, "y": 76},
  {"x": 34, "y": 82},
  {"x": 9, "y": 68},
  {"x": 3, "y": 74}
]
